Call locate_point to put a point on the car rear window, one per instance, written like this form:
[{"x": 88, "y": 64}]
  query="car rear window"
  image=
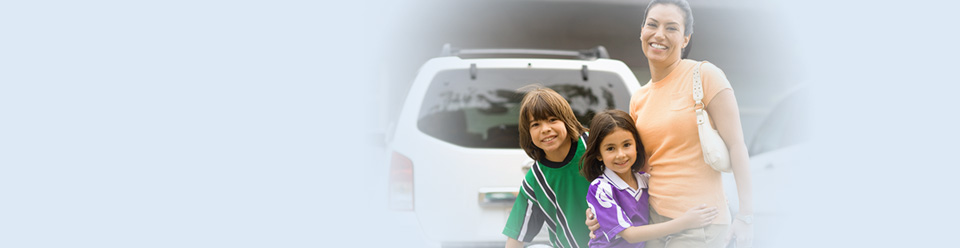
[{"x": 484, "y": 112}]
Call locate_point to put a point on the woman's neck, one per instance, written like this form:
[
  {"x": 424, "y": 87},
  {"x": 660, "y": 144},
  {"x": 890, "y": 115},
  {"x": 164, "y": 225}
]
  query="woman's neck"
[{"x": 660, "y": 71}]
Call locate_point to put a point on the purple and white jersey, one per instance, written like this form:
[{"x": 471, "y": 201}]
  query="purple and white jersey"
[{"x": 617, "y": 207}]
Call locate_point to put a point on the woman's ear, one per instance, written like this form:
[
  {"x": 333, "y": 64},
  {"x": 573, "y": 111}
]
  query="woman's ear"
[{"x": 686, "y": 40}]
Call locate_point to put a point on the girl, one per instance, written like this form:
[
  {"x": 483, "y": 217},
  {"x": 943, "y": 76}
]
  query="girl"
[
  {"x": 553, "y": 190},
  {"x": 618, "y": 194}
]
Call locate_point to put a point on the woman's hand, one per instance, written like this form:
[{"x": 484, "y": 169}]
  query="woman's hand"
[
  {"x": 698, "y": 216},
  {"x": 743, "y": 232},
  {"x": 592, "y": 223}
]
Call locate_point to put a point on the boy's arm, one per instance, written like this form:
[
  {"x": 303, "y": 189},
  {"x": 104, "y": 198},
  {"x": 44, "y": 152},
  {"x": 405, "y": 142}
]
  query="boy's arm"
[
  {"x": 513, "y": 243},
  {"x": 526, "y": 217}
]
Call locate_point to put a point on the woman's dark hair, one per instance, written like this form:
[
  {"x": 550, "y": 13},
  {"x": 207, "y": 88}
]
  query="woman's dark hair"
[
  {"x": 687, "y": 20},
  {"x": 603, "y": 124}
]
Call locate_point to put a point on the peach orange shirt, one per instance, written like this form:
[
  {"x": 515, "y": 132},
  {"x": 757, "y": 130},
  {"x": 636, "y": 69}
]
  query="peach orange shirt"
[{"x": 665, "y": 117}]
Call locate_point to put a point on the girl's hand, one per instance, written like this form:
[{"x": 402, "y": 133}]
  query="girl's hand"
[
  {"x": 592, "y": 223},
  {"x": 698, "y": 216}
]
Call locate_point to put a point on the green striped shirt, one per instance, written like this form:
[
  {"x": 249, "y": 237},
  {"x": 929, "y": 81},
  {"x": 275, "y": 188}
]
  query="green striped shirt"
[{"x": 554, "y": 196}]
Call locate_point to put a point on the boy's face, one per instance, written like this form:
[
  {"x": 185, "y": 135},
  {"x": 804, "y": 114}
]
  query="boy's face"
[{"x": 549, "y": 134}]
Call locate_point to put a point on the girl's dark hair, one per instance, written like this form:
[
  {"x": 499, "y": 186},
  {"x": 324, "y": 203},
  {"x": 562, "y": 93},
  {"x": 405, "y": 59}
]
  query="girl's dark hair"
[
  {"x": 540, "y": 103},
  {"x": 687, "y": 19},
  {"x": 602, "y": 125}
]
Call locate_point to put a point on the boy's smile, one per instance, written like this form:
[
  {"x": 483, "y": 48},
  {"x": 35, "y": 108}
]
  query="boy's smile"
[{"x": 550, "y": 135}]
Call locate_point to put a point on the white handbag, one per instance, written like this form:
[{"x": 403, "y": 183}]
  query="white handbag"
[{"x": 715, "y": 152}]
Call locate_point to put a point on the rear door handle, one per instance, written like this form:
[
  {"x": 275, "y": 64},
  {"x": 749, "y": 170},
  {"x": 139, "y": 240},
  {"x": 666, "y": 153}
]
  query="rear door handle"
[{"x": 497, "y": 197}]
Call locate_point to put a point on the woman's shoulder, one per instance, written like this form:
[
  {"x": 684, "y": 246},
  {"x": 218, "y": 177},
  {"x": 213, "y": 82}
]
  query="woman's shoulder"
[{"x": 706, "y": 67}]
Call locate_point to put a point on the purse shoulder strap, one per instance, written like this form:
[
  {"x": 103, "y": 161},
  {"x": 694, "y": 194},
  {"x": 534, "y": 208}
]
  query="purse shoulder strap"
[
  {"x": 699, "y": 108},
  {"x": 697, "y": 87}
]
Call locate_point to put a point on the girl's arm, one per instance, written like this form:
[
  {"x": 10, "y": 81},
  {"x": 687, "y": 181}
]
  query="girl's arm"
[
  {"x": 695, "y": 217},
  {"x": 726, "y": 115}
]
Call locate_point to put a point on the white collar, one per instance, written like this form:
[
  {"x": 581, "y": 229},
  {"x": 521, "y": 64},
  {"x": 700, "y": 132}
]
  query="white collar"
[{"x": 618, "y": 182}]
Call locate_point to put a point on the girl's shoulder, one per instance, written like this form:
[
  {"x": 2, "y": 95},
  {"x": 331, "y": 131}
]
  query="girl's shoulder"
[{"x": 600, "y": 182}]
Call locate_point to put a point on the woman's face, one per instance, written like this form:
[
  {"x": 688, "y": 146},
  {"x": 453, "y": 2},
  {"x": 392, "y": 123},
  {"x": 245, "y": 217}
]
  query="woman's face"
[{"x": 662, "y": 34}]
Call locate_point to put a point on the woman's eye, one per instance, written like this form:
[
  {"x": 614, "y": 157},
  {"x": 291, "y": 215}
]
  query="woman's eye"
[
  {"x": 672, "y": 29},
  {"x": 651, "y": 25}
]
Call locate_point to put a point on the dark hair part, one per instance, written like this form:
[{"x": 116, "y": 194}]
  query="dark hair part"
[
  {"x": 540, "y": 103},
  {"x": 683, "y": 5},
  {"x": 687, "y": 19},
  {"x": 603, "y": 124}
]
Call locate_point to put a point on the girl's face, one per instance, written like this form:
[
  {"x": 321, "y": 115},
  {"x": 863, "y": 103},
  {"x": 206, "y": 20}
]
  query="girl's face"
[
  {"x": 618, "y": 153},
  {"x": 550, "y": 135},
  {"x": 662, "y": 34}
]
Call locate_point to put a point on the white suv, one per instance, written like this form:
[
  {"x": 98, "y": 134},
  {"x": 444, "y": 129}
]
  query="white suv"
[{"x": 455, "y": 155}]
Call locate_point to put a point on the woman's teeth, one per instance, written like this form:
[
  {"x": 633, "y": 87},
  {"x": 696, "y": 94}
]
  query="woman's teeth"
[{"x": 658, "y": 46}]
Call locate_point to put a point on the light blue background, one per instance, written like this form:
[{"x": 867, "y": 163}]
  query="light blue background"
[{"x": 253, "y": 124}]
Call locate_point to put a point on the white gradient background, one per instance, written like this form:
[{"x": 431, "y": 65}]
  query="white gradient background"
[{"x": 253, "y": 124}]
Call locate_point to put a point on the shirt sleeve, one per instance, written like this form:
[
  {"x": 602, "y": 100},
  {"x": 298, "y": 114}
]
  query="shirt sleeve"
[
  {"x": 526, "y": 217},
  {"x": 610, "y": 216},
  {"x": 714, "y": 81}
]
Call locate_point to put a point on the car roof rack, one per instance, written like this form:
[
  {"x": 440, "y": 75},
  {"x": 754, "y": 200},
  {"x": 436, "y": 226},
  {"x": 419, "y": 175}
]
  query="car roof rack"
[{"x": 598, "y": 52}]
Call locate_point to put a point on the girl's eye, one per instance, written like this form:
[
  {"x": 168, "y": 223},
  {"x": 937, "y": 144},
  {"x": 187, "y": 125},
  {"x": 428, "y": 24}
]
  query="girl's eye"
[
  {"x": 554, "y": 119},
  {"x": 534, "y": 124},
  {"x": 627, "y": 145},
  {"x": 609, "y": 149}
]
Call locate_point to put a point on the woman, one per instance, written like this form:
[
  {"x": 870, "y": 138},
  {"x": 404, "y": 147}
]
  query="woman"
[{"x": 665, "y": 116}]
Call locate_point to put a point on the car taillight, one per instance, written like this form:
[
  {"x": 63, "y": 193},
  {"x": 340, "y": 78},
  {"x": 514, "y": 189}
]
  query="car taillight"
[{"x": 401, "y": 183}]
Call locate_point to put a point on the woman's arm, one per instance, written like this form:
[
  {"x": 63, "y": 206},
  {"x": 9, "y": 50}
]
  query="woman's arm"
[{"x": 725, "y": 114}]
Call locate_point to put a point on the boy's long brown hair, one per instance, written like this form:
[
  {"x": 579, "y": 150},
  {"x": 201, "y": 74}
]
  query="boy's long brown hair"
[
  {"x": 602, "y": 125},
  {"x": 540, "y": 103}
]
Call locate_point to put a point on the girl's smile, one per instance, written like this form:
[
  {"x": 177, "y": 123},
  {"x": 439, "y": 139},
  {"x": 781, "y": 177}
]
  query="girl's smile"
[{"x": 618, "y": 152}]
